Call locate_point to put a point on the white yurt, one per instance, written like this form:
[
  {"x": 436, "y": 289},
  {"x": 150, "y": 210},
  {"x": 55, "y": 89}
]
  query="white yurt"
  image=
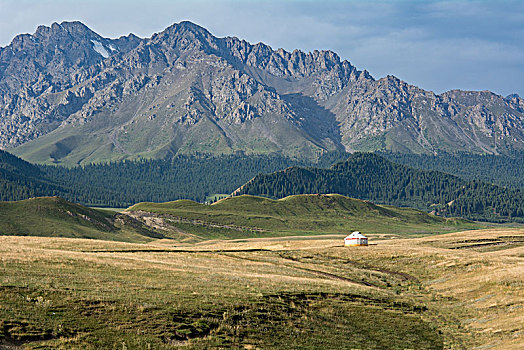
[{"x": 355, "y": 239}]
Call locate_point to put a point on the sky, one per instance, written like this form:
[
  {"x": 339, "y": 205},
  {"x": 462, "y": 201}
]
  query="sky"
[{"x": 436, "y": 45}]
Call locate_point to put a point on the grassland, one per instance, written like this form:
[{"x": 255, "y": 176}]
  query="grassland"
[
  {"x": 252, "y": 217},
  {"x": 56, "y": 217},
  {"x": 253, "y": 273},
  {"x": 459, "y": 290}
]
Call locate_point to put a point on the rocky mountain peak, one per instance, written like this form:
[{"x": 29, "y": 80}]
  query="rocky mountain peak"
[
  {"x": 184, "y": 29},
  {"x": 190, "y": 26},
  {"x": 53, "y": 51},
  {"x": 69, "y": 93},
  {"x": 55, "y": 28},
  {"x": 64, "y": 34},
  {"x": 182, "y": 37}
]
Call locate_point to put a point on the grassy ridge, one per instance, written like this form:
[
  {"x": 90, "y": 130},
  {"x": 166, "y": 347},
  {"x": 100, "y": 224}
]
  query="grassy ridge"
[
  {"x": 56, "y": 217},
  {"x": 250, "y": 216},
  {"x": 231, "y": 218}
]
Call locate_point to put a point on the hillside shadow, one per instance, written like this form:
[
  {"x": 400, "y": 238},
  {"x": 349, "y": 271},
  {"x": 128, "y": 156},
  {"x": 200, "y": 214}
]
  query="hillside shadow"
[{"x": 319, "y": 123}]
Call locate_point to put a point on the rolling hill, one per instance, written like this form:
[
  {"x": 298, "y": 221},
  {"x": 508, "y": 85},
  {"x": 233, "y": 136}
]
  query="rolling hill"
[
  {"x": 231, "y": 218},
  {"x": 371, "y": 177},
  {"x": 56, "y": 217},
  {"x": 249, "y": 216}
]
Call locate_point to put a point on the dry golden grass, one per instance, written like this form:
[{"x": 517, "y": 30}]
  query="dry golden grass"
[
  {"x": 487, "y": 286},
  {"x": 472, "y": 282}
]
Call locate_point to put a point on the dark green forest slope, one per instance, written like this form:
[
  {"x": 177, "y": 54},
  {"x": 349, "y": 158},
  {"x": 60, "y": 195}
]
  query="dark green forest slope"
[
  {"x": 20, "y": 180},
  {"x": 503, "y": 170},
  {"x": 121, "y": 184},
  {"x": 371, "y": 177}
]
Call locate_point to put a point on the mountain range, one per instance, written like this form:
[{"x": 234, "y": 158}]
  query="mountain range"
[{"x": 70, "y": 96}]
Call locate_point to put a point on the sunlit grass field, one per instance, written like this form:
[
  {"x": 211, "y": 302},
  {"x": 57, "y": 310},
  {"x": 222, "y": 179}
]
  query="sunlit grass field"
[{"x": 458, "y": 290}]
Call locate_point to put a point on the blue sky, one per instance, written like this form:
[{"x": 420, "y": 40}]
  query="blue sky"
[{"x": 437, "y": 45}]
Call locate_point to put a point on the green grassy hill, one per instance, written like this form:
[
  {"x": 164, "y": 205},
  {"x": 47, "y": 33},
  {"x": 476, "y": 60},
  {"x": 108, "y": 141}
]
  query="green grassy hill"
[
  {"x": 250, "y": 216},
  {"x": 56, "y": 217}
]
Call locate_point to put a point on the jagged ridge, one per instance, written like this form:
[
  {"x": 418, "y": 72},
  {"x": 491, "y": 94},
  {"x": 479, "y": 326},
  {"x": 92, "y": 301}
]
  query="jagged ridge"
[{"x": 185, "y": 91}]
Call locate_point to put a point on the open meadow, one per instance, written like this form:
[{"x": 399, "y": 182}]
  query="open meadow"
[
  {"x": 253, "y": 175},
  {"x": 459, "y": 290}
]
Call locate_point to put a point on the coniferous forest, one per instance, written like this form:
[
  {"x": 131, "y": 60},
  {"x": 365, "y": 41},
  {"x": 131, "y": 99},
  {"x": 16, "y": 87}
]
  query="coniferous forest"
[
  {"x": 365, "y": 176},
  {"x": 503, "y": 169},
  {"x": 21, "y": 180},
  {"x": 372, "y": 177},
  {"x": 121, "y": 184}
]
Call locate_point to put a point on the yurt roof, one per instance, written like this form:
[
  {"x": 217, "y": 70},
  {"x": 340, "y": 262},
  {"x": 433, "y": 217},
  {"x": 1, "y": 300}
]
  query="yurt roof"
[{"x": 356, "y": 234}]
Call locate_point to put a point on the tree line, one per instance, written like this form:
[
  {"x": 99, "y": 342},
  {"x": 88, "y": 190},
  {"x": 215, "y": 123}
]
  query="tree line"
[
  {"x": 372, "y": 177},
  {"x": 124, "y": 183},
  {"x": 196, "y": 177},
  {"x": 505, "y": 170}
]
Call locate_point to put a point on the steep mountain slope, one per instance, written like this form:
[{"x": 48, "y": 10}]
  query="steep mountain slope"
[
  {"x": 371, "y": 177},
  {"x": 185, "y": 91},
  {"x": 174, "y": 93},
  {"x": 37, "y": 72},
  {"x": 388, "y": 114}
]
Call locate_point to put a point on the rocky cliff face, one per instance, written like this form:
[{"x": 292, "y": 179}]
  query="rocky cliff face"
[
  {"x": 43, "y": 77},
  {"x": 69, "y": 95}
]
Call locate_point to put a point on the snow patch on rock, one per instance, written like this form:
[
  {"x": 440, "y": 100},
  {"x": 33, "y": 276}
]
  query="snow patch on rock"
[{"x": 98, "y": 47}]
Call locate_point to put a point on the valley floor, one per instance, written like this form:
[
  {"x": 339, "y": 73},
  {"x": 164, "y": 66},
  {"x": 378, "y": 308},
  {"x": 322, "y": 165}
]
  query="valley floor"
[{"x": 460, "y": 290}]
